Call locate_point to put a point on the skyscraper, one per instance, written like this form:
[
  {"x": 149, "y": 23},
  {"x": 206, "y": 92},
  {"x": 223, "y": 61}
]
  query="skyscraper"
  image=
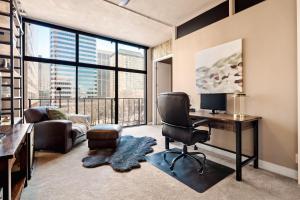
[
  {"x": 62, "y": 47},
  {"x": 43, "y": 80},
  {"x": 87, "y": 82},
  {"x": 31, "y": 68},
  {"x": 105, "y": 77}
]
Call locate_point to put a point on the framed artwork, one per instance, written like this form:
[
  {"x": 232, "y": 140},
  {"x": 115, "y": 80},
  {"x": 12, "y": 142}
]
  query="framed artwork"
[{"x": 220, "y": 69}]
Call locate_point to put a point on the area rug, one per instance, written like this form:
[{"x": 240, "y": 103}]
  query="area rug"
[
  {"x": 186, "y": 172},
  {"x": 130, "y": 151}
]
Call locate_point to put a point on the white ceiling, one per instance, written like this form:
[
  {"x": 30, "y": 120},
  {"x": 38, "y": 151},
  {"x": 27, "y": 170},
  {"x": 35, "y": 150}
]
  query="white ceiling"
[{"x": 103, "y": 18}]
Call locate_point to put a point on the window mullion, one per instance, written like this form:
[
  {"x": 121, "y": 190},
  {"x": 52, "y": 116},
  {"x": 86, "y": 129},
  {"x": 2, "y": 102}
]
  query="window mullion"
[{"x": 77, "y": 62}]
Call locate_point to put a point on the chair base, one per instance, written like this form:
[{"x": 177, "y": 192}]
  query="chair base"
[{"x": 183, "y": 154}]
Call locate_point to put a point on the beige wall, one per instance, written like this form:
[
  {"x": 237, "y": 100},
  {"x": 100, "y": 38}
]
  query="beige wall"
[{"x": 269, "y": 33}]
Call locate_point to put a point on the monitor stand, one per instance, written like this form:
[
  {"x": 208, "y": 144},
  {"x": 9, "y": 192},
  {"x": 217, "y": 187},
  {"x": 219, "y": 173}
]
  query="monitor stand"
[{"x": 213, "y": 112}]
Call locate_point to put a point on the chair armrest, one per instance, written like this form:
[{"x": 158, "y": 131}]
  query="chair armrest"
[
  {"x": 53, "y": 135},
  {"x": 53, "y": 124},
  {"x": 200, "y": 122}
]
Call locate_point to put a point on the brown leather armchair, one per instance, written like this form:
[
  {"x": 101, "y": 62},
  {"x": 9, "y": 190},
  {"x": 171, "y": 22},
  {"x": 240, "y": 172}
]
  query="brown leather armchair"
[{"x": 53, "y": 135}]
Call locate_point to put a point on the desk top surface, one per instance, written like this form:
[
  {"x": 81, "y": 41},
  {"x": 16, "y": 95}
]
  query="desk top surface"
[
  {"x": 224, "y": 117},
  {"x": 14, "y": 135}
]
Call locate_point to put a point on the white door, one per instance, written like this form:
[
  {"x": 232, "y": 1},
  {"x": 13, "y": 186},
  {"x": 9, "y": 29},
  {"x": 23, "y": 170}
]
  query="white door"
[{"x": 163, "y": 82}]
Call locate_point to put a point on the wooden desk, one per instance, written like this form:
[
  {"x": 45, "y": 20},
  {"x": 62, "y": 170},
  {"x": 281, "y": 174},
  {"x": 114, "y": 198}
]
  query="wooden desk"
[
  {"x": 228, "y": 122},
  {"x": 14, "y": 147}
]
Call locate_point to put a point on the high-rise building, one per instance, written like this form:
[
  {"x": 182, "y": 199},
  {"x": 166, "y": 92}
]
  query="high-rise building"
[
  {"x": 87, "y": 82},
  {"x": 62, "y": 47},
  {"x": 43, "y": 81},
  {"x": 30, "y": 69},
  {"x": 131, "y": 84},
  {"x": 105, "y": 77}
]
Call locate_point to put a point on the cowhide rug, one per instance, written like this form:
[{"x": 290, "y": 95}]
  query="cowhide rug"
[{"x": 130, "y": 151}]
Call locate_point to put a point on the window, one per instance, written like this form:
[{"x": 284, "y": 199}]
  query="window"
[
  {"x": 96, "y": 51},
  {"x": 131, "y": 57},
  {"x": 44, "y": 42},
  {"x": 96, "y": 88},
  {"x": 86, "y": 84},
  {"x": 50, "y": 85},
  {"x": 131, "y": 98}
]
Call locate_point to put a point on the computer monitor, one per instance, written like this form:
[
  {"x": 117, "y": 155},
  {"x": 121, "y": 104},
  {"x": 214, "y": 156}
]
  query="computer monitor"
[{"x": 214, "y": 102}]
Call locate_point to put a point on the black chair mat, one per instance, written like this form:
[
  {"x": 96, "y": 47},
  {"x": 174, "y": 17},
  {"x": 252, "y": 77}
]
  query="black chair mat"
[{"x": 186, "y": 171}]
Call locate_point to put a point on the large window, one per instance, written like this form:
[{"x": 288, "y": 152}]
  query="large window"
[
  {"x": 131, "y": 98},
  {"x": 77, "y": 71},
  {"x": 44, "y": 42},
  {"x": 50, "y": 85},
  {"x": 96, "y": 51},
  {"x": 131, "y": 57},
  {"x": 96, "y": 88}
]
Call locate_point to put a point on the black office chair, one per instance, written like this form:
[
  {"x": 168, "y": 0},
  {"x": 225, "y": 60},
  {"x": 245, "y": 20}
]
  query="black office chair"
[{"x": 173, "y": 108}]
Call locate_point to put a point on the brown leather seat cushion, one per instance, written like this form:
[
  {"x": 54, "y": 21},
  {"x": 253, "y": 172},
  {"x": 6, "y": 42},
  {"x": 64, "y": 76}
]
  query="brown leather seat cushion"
[{"x": 104, "y": 132}]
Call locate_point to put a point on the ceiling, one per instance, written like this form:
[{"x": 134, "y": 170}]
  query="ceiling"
[{"x": 103, "y": 18}]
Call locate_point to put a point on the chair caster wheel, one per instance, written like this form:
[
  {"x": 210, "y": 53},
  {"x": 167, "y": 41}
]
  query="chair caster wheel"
[
  {"x": 171, "y": 168},
  {"x": 201, "y": 170}
]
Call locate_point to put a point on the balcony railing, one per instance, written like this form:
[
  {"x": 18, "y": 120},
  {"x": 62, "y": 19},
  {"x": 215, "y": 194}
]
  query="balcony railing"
[{"x": 101, "y": 110}]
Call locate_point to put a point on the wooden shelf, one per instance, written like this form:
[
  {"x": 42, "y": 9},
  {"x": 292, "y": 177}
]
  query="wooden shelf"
[
  {"x": 5, "y": 50},
  {"x": 11, "y": 25},
  {"x": 7, "y": 76},
  {"x": 9, "y": 85},
  {"x": 8, "y": 57},
  {"x": 4, "y": 7},
  {"x": 8, "y": 109},
  {"x": 17, "y": 120},
  {"x": 4, "y": 70},
  {"x": 9, "y": 98},
  {"x": 4, "y": 22}
]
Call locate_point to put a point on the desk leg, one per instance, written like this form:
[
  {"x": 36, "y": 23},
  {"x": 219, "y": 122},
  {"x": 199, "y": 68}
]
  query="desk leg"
[
  {"x": 7, "y": 180},
  {"x": 29, "y": 155},
  {"x": 167, "y": 141},
  {"x": 238, "y": 143},
  {"x": 255, "y": 143}
]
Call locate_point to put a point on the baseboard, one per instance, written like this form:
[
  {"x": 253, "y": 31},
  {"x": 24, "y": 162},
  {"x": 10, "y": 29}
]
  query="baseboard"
[{"x": 278, "y": 169}]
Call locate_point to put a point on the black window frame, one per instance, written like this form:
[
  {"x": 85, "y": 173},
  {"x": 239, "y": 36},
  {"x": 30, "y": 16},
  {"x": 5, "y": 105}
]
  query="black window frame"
[{"x": 78, "y": 64}]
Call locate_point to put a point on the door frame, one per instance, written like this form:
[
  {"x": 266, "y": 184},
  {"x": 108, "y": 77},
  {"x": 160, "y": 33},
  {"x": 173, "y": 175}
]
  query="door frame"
[{"x": 154, "y": 83}]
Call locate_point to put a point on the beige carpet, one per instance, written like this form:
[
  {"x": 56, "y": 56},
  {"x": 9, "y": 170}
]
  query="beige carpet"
[{"x": 61, "y": 176}]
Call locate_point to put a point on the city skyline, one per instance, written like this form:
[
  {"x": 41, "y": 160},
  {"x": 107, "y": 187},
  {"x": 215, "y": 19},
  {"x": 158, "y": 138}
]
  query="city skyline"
[{"x": 96, "y": 87}]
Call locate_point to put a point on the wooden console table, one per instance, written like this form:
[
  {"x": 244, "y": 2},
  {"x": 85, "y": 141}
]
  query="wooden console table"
[
  {"x": 14, "y": 159},
  {"x": 237, "y": 125}
]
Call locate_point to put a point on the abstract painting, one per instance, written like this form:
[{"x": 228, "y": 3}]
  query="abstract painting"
[{"x": 220, "y": 69}]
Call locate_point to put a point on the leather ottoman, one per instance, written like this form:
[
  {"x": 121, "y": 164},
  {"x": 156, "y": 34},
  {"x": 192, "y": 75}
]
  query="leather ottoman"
[{"x": 104, "y": 136}]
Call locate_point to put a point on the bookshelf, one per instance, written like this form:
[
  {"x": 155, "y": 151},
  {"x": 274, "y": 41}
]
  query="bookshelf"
[{"x": 11, "y": 63}]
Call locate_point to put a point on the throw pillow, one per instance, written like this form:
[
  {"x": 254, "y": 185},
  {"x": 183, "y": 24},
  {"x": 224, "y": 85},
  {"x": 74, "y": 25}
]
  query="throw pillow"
[{"x": 55, "y": 114}]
